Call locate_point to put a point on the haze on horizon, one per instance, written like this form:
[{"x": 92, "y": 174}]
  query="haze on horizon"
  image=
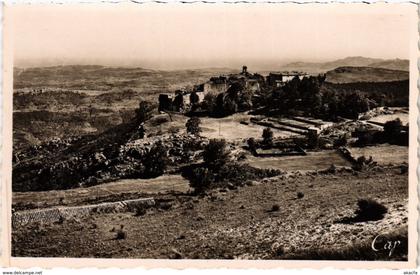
[{"x": 202, "y": 36}]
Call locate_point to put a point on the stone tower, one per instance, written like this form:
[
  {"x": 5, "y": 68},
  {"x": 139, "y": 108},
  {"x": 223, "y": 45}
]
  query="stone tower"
[{"x": 244, "y": 69}]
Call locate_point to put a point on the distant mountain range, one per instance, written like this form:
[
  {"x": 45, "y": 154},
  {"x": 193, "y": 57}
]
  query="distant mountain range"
[
  {"x": 103, "y": 78},
  {"x": 355, "y": 61}
]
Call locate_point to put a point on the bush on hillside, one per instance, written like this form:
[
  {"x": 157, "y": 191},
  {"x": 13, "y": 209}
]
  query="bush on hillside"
[
  {"x": 267, "y": 136},
  {"x": 362, "y": 163},
  {"x": 200, "y": 179},
  {"x": 155, "y": 161},
  {"x": 144, "y": 112},
  {"x": 193, "y": 126},
  {"x": 370, "y": 210},
  {"x": 215, "y": 153},
  {"x": 252, "y": 144}
]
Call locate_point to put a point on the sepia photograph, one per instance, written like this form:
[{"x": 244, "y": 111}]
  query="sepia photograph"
[{"x": 213, "y": 132}]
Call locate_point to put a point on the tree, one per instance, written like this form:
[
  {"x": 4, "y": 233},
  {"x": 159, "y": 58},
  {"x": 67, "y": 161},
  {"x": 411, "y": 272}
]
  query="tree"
[
  {"x": 215, "y": 153},
  {"x": 393, "y": 126},
  {"x": 165, "y": 103},
  {"x": 313, "y": 139},
  {"x": 229, "y": 106},
  {"x": 252, "y": 144},
  {"x": 354, "y": 104},
  {"x": 178, "y": 102},
  {"x": 234, "y": 90},
  {"x": 331, "y": 105},
  {"x": 219, "y": 105},
  {"x": 209, "y": 103},
  {"x": 392, "y": 129},
  {"x": 245, "y": 100},
  {"x": 144, "y": 112},
  {"x": 155, "y": 161},
  {"x": 200, "y": 179},
  {"x": 267, "y": 136},
  {"x": 194, "y": 98},
  {"x": 193, "y": 125},
  {"x": 340, "y": 141}
]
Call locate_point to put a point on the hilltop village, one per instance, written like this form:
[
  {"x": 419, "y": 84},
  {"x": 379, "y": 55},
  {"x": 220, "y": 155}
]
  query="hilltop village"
[{"x": 243, "y": 82}]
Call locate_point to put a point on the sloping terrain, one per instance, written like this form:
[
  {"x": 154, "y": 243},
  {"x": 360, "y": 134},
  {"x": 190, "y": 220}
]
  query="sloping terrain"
[
  {"x": 364, "y": 74},
  {"x": 238, "y": 224}
]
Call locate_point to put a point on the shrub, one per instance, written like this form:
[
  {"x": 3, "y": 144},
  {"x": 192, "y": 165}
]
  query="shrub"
[
  {"x": 144, "y": 112},
  {"x": 370, "y": 210},
  {"x": 155, "y": 161},
  {"x": 332, "y": 169},
  {"x": 252, "y": 144},
  {"x": 178, "y": 102},
  {"x": 300, "y": 195},
  {"x": 404, "y": 169},
  {"x": 140, "y": 211},
  {"x": 229, "y": 175},
  {"x": 267, "y": 136},
  {"x": 215, "y": 153},
  {"x": 341, "y": 141},
  {"x": 365, "y": 138},
  {"x": 313, "y": 139},
  {"x": 362, "y": 163},
  {"x": 241, "y": 156},
  {"x": 392, "y": 129},
  {"x": 209, "y": 103},
  {"x": 275, "y": 208},
  {"x": 121, "y": 234},
  {"x": 277, "y": 249},
  {"x": 240, "y": 173},
  {"x": 192, "y": 145},
  {"x": 194, "y": 98},
  {"x": 200, "y": 179},
  {"x": 193, "y": 125}
]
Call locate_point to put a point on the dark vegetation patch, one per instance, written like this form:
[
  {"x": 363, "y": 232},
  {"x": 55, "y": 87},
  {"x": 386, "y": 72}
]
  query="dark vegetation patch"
[
  {"x": 368, "y": 210},
  {"x": 218, "y": 171},
  {"x": 202, "y": 178},
  {"x": 391, "y": 93},
  {"x": 394, "y": 132}
]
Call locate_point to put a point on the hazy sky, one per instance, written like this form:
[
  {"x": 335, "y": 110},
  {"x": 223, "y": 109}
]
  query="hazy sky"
[{"x": 192, "y": 35}]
